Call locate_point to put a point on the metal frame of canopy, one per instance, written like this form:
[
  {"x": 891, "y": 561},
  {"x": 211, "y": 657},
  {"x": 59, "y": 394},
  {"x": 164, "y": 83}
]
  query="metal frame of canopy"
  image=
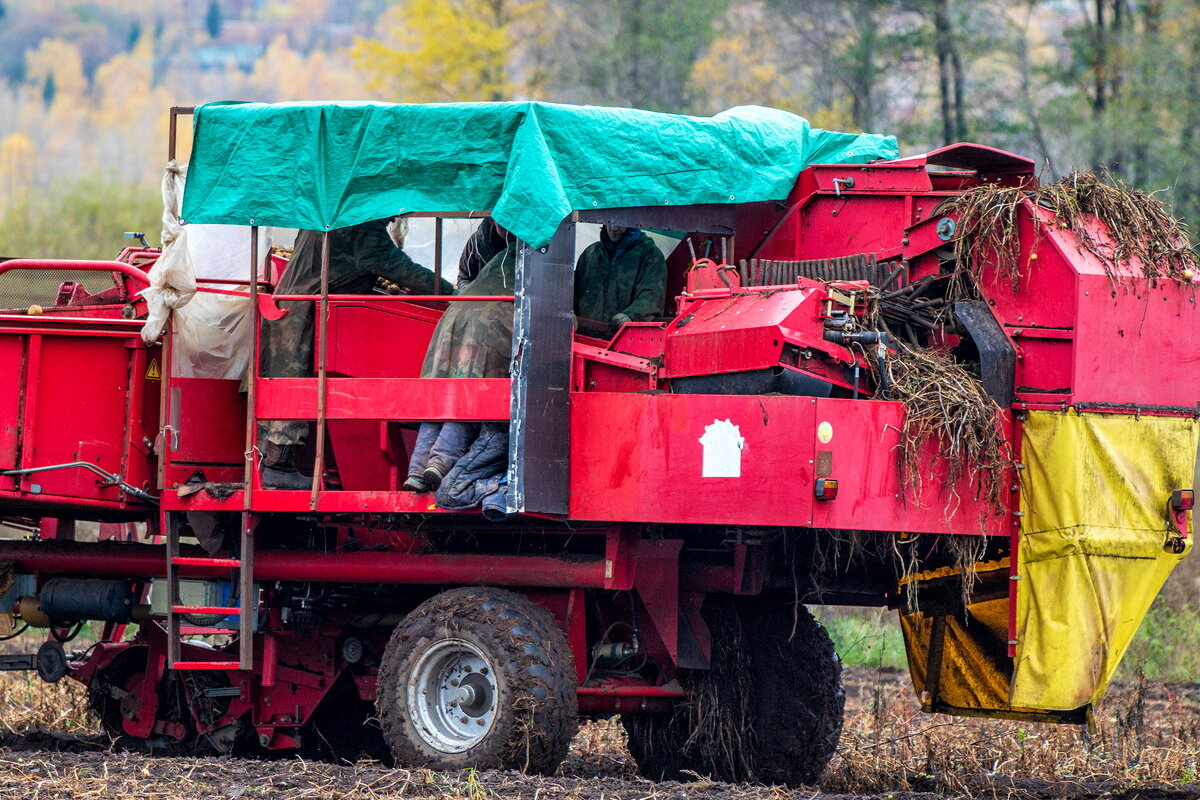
[{"x": 539, "y": 444}]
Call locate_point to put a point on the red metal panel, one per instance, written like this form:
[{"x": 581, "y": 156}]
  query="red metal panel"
[
  {"x": 837, "y": 226},
  {"x": 737, "y": 333},
  {"x": 12, "y": 358},
  {"x": 211, "y": 416},
  {"x": 860, "y": 452},
  {"x": 387, "y": 398},
  {"x": 330, "y": 502},
  {"x": 386, "y": 339},
  {"x": 1137, "y": 345},
  {"x": 1046, "y": 296},
  {"x": 370, "y": 454},
  {"x": 79, "y": 413},
  {"x": 640, "y": 458}
]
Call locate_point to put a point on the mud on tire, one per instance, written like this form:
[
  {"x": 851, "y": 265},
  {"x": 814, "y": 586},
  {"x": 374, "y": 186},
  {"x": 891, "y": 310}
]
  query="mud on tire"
[
  {"x": 769, "y": 711},
  {"x": 478, "y": 677}
]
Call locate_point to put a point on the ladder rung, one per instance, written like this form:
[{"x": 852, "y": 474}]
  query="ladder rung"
[
  {"x": 222, "y": 610},
  {"x": 205, "y": 665},
  {"x": 194, "y": 561},
  {"x": 205, "y": 630}
]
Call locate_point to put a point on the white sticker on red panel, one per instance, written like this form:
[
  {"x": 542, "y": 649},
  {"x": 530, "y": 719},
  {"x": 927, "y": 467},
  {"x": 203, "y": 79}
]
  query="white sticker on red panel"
[{"x": 723, "y": 446}]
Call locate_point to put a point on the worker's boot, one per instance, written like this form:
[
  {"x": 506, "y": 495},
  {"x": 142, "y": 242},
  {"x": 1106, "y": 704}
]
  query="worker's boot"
[
  {"x": 453, "y": 441},
  {"x": 279, "y": 468},
  {"x": 426, "y": 437}
]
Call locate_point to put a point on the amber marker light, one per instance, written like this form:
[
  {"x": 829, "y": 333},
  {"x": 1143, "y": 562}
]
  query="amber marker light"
[{"x": 827, "y": 488}]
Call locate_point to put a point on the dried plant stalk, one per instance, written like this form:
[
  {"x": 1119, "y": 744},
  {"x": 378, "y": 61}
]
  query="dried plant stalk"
[{"x": 1138, "y": 237}]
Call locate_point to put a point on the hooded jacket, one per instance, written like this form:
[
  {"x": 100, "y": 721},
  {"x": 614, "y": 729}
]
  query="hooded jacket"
[{"x": 627, "y": 278}]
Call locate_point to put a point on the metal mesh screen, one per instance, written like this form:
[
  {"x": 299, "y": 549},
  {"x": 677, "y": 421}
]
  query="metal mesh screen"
[
  {"x": 764, "y": 272},
  {"x": 22, "y": 288}
]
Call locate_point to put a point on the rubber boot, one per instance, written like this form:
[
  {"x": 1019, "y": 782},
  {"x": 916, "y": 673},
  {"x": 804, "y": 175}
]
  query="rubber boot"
[
  {"x": 453, "y": 441},
  {"x": 279, "y": 468},
  {"x": 426, "y": 436}
]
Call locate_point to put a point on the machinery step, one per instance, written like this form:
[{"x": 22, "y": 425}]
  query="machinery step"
[
  {"x": 205, "y": 665},
  {"x": 194, "y": 561},
  {"x": 205, "y": 630},
  {"x": 222, "y": 610}
]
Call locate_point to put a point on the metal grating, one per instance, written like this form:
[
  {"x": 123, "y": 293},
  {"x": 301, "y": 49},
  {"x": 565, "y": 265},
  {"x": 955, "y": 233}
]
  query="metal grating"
[
  {"x": 861, "y": 267},
  {"x": 21, "y": 288}
]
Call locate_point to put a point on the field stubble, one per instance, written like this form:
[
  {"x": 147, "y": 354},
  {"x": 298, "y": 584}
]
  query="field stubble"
[{"x": 1147, "y": 746}]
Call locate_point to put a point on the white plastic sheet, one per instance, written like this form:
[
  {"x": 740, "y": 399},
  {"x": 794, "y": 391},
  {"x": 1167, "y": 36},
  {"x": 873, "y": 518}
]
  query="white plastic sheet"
[
  {"x": 172, "y": 279},
  {"x": 212, "y": 332}
]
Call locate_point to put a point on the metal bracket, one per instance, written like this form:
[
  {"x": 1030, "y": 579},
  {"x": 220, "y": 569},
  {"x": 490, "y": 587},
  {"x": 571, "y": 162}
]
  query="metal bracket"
[{"x": 106, "y": 478}]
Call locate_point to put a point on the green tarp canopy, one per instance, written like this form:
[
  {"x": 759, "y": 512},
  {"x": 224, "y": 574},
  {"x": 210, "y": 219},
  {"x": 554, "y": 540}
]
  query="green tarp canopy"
[{"x": 323, "y": 166}]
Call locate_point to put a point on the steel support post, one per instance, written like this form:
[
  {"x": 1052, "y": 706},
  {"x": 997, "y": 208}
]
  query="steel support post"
[{"x": 539, "y": 430}]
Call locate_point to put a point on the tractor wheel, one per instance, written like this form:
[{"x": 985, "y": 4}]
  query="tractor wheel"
[
  {"x": 769, "y": 711},
  {"x": 478, "y": 677}
]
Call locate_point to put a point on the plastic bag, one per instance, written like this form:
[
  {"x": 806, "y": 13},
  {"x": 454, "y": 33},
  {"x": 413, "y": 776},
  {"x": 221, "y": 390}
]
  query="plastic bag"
[{"x": 172, "y": 279}]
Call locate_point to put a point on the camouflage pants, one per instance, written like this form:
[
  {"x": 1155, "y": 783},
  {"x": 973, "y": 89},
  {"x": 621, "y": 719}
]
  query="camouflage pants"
[{"x": 287, "y": 352}]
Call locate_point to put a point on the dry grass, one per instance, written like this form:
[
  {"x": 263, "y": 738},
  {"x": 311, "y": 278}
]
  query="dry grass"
[
  {"x": 947, "y": 412},
  {"x": 1139, "y": 237},
  {"x": 1148, "y": 745},
  {"x": 1147, "y": 735},
  {"x": 27, "y": 704}
]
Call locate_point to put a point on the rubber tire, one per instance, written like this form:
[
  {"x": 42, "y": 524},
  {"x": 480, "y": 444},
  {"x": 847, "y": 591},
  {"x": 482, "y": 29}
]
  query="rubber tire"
[
  {"x": 536, "y": 705},
  {"x": 794, "y": 714}
]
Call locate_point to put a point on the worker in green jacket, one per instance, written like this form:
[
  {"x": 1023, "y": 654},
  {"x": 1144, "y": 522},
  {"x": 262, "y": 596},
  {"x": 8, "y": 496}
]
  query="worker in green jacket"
[
  {"x": 358, "y": 255},
  {"x": 621, "y": 278}
]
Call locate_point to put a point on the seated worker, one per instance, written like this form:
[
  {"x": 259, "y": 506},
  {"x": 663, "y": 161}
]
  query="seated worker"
[
  {"x": 621, "y": 278},
  {"x": 487, "y": 240},
  {"x": 472, "y": 340},
  {"x": 358, "y": 255}
]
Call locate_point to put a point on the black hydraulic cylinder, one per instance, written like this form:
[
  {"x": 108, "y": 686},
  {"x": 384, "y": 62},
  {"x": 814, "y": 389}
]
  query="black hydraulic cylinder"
[{"x": 79, "y": 599}]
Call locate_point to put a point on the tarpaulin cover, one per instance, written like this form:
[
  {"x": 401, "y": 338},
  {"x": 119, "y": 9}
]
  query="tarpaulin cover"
[
  {"x": 973, "y": 665},
  {"x": 318, "y": 166},
  {"x": 1091, "y": 559}
]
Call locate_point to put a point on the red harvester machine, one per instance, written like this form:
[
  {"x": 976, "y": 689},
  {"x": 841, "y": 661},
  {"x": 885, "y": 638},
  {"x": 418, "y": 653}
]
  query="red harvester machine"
[{"x": 677, "y": 493}]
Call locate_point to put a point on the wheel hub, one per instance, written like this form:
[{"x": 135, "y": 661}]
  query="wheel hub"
[{"x": 452, "y": 696}]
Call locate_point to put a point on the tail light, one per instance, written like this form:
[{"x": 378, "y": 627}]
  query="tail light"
[
  {"x": 1183, "y": 499},
  {"x": 827, "y": 488}
]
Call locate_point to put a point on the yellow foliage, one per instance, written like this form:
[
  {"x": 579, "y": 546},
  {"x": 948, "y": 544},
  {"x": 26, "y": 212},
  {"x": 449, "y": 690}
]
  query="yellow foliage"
[
  {"x": 837, "y": 116},
  {"x": 17, "y": 154},
  {"x": 123, "y": 87},
  {"x": 445, "y": 50},
  {"x": 287, "y": 75},
  {"x": 63, "y": 61},
  {"x": 741, "y": 67}
]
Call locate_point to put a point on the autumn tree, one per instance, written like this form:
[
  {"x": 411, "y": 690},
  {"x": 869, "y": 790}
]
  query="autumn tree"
[
  {"x": 856, "y": 52},
  {"x": 632, "y": 52},
  {"x": 447, "y": 50},
  {"x": 742, "y": 66}
]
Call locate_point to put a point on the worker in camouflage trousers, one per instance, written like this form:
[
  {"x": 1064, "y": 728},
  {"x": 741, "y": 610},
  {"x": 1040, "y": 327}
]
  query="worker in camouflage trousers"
[
  {"x": 621, "y": 278},
  {"x": 358, "y": 255},
  {"x": 472, "y": 340}
]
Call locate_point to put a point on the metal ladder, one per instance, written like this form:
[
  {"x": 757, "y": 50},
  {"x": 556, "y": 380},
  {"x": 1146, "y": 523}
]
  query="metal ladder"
[{"x": 246, "y": 609}]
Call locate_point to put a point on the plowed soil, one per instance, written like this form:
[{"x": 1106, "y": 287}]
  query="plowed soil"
[{"x": 1148, "y": 746}]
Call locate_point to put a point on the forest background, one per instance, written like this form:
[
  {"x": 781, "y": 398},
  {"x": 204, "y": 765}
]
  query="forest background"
[{"x": 85, "y": 88}]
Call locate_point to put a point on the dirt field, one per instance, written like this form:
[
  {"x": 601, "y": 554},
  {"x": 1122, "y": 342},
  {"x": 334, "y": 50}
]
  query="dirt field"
[{"x": 1148, "y": 747}]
